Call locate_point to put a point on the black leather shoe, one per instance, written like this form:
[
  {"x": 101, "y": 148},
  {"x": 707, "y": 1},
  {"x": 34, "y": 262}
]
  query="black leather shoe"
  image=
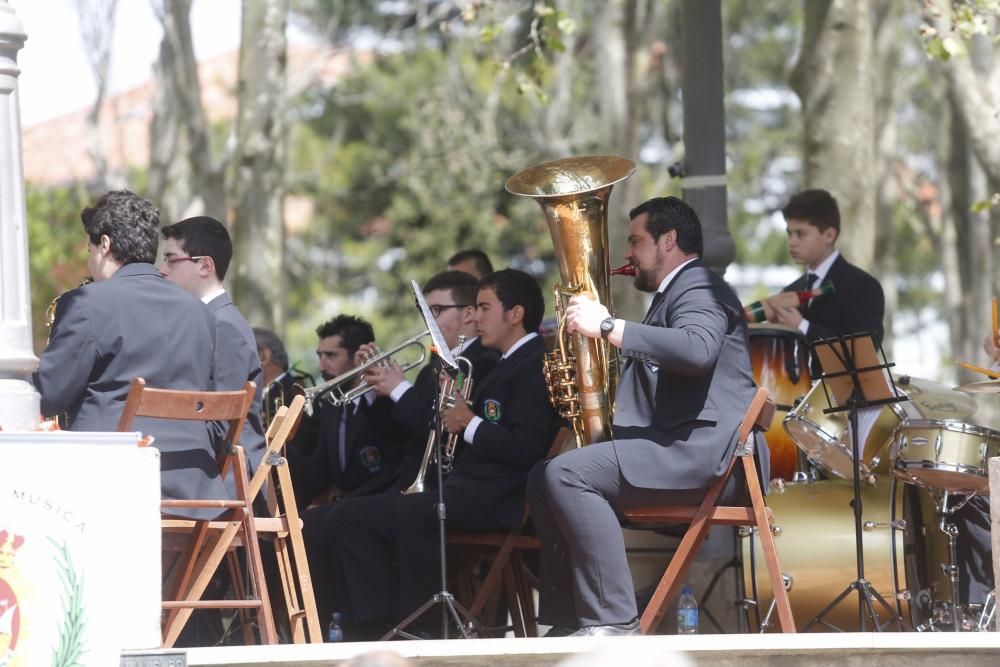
[
  {"x": 560, "y": 631},
  {"x": 616, "y": 630}
]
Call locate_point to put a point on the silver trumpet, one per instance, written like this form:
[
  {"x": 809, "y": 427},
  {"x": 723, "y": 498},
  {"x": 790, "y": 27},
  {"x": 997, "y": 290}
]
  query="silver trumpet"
[
  {"x": 339, "y": 390},
  {"x": 446, "y": 402}
]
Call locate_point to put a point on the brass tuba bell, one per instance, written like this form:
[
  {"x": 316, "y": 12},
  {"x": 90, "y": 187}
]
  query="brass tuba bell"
[{"x": 573, "y": 192}]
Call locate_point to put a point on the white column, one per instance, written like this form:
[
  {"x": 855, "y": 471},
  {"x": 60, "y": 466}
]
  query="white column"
[{"x": 19, "y": 402}]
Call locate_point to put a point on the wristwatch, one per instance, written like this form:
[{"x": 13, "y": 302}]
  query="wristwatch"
[{"x": 607, "y": 326}]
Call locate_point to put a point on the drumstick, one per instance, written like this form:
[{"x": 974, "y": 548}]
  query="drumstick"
[
  {"x": 976, "y": 369},
  {"x": 996, "y": 324}
]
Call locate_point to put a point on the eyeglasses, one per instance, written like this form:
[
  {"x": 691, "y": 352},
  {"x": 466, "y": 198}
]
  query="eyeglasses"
[
  {"x": 436, "y": 310},
  {"x": 173, "y": 260}
]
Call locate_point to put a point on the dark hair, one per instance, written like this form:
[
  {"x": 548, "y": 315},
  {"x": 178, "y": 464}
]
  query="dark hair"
[
  {"x": 353, "y": 331},
  {"x": 462, "y": 286},
  {"x": 479, "y": 258},
  {"x": 817, "y": 207},
  {"x": 269, "y": 339},
  {"x": 129, "y": 221},
  {"x": 517, "y": 288},
  {"x": 666, "y": 213},
  {"x": 204, "y": 236}
]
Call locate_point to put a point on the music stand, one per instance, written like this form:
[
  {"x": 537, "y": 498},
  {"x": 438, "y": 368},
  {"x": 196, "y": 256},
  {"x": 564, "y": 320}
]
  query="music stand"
[
  {"x": 858, "y": 376},
  {"x": 449, "y": 605}
]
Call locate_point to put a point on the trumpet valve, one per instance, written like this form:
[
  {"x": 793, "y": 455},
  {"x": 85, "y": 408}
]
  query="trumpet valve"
[{"x": 560, "y": 378}]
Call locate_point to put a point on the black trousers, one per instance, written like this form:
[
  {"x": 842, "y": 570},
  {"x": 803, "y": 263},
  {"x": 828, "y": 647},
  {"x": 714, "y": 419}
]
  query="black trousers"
[
  {"x": 380, "y": 553},
  {"x": 577, "y": 500}
]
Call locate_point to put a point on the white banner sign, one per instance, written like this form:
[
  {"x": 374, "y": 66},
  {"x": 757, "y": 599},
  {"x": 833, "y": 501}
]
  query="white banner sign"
[{"x": 79, "y": 548}]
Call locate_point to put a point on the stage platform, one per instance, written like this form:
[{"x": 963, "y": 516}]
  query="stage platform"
[{"x": 938, "y": 649}]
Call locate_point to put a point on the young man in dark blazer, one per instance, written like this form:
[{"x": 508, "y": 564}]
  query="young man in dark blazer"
[
  {"x": 353, "y": 447},
  {"x": 508, "y": 427},
  {"x": 129, "y": 323},
  {"x": 685, "y": 385},
  {"x": 857, "y": 303},
  {"x": 196, "y": 256}
]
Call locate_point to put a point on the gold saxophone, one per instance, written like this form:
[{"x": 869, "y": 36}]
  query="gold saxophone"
[
  {"x": 447, "y": 400},
  {"x": 573, "y": 192},
  {"x": 50, "y": 312}
]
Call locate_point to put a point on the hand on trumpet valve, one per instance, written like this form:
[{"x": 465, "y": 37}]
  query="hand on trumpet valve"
[
  {"x": 382, "y": 377},
  {"x": 782, "y": 313},
  {"x": 458, "y": 416},
  {"x": 584, "y": 315}
]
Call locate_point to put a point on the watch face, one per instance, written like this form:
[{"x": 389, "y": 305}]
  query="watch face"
[{"x": 607, "y": 325}]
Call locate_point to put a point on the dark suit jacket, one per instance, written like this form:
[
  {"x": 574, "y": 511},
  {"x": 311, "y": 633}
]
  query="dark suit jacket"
[
  {"x": 373, "y": 450},
  {"x": 686, "y": 384},
  {"x": 857, "y": 305},
  {"x": 415, "y": 410},
  {"x": 136, "y": 324},
  {"x": 518, "y": 428},
  {"x": 235, "y": 362}
]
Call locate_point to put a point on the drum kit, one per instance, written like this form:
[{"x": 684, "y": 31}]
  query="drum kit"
[{"x": 920, "y": 461}]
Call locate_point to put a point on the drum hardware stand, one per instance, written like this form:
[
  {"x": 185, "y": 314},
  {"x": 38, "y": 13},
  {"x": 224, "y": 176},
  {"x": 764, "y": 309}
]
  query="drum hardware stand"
[
  {"x": 841, "y": 355},
  {"x": 986, "y": 615},
  {"x": 951, "y": 567},
  {"x": 766, "y": 623}
]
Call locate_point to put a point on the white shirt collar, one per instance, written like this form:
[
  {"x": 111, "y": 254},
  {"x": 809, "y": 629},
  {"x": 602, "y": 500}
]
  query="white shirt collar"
[
  {"x": 522, "y": 341},
  {"x": 824, "y": 267},
  {"x": 211, "y": 295},
  {"x": 670, "y": 276}
]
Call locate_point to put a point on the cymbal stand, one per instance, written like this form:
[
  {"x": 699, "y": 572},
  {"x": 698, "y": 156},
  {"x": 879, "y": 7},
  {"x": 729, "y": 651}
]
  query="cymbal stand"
[{"x": 951, "y": 567}]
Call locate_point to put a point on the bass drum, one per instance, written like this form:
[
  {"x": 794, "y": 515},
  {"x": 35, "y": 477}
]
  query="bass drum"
[
  {"x": 814, "y": 537},
  {"x": 779, "y": 356}
]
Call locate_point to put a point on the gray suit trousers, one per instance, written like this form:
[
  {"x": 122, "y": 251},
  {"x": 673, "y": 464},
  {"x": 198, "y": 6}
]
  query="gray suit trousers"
[{"x": 577, "y": 502}]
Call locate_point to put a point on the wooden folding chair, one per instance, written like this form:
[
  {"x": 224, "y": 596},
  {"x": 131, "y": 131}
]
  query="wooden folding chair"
[
  {"x": 699, "y": 518},
  {"x": 206, "y": 542},
  {"x": 507, "y": 566},
  {"x": 282, "y": 526}
]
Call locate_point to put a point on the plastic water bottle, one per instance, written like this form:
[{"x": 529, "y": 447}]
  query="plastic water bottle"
[
  {"x": 335, "y": 634},
  {"x": 687, "y": 613}
]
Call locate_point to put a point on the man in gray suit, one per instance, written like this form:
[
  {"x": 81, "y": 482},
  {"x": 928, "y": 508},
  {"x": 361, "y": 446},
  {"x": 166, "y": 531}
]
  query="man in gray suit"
[
  {"x": 685, "y": 385},
  {"x": 129, "y": 323},
  {"x": 196, "y": 256}
]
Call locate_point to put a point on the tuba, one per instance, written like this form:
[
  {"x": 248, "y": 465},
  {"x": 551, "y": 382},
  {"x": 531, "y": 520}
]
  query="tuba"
[
  {"x": 573, "y": 192},
  {"x": 50, "y": 312}
]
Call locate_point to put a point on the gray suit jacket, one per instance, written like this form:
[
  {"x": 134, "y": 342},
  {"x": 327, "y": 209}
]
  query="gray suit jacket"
[
  {"x": 686, "y": 384},
  {"x": 236, "y": 361},
  {"x": 136, "y": 324}
]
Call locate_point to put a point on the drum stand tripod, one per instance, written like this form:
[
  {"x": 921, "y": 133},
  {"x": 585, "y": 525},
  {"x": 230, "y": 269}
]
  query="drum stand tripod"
[
  {"x": 950, "y": 568},
  {"x": 839, "y": 357}
]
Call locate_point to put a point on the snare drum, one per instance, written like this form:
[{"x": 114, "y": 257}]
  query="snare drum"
[
  {"x": 826, "y": 438},
  {"x": 945, "y": 455},
  {"x": 779, "y": 356}
]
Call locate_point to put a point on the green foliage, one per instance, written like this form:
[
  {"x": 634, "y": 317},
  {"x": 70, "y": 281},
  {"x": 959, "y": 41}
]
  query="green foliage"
[
  {"x": 57, "y": 260},
  {"x": 72, "y": 644}
]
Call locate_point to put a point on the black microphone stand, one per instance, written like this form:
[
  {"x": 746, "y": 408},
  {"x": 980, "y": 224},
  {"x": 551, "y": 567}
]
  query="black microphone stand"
[
  {"x": 843, "y": 348},
  {"x": 449, "y": 605}
]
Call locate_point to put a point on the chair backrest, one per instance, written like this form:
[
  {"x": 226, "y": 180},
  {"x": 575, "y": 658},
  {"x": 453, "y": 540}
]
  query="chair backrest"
[
  {"x": 279, "y": 432},
  {"x": 228, "y": 406},
  {"x": 759, "y": 414}
]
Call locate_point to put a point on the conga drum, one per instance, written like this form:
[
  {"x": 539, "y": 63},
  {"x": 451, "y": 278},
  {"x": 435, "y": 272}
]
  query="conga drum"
[{"x": 780, "y": 358}]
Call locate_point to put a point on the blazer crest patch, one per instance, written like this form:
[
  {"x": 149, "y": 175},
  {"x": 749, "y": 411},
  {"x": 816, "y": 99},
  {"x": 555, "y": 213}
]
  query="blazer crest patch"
[
  {"x": 371, "y": 458},
  {"x": 491, "y": 410}
]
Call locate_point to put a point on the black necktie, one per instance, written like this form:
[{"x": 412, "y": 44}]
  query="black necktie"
[
  {"x": 810, "y": 279},
  {"x": 657, "y": 299}
]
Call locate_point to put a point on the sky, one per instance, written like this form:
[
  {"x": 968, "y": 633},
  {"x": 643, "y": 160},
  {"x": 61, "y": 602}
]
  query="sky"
[{"x": 55, "y": 78}]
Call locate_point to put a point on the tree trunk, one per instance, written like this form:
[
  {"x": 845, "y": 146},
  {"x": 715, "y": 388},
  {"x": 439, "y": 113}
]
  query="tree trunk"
[
  {"x": 97, "y": 26},
  {"x": 258, "y": 284},
  {"x": 887, "y": 56},
  {"x": 977, "y": 104},
  {"x": 832, "y": 76}
]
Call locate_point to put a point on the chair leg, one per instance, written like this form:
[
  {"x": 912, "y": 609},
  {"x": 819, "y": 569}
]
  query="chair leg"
[
  {"x": 513, "y": 604},
  {"x": 785, "y": 618},
  {"x": 258, "y": 586},
  {"x": 526, "y": 593},
  {"x": 299, "y": 563}
]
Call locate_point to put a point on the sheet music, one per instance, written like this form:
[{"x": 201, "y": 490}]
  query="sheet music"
[{"x": 437, "y": 338}]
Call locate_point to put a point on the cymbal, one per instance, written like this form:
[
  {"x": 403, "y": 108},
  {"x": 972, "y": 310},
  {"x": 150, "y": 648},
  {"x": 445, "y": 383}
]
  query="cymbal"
[
  {"x": 936, "y": 400},
  {"x": 984, "y": 387}
]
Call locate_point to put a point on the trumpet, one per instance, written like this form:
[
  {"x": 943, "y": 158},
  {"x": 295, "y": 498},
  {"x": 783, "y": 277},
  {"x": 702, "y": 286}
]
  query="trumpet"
[
  {"x": 339, "y": 390},
  {"x": 446, "y": 402}
]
